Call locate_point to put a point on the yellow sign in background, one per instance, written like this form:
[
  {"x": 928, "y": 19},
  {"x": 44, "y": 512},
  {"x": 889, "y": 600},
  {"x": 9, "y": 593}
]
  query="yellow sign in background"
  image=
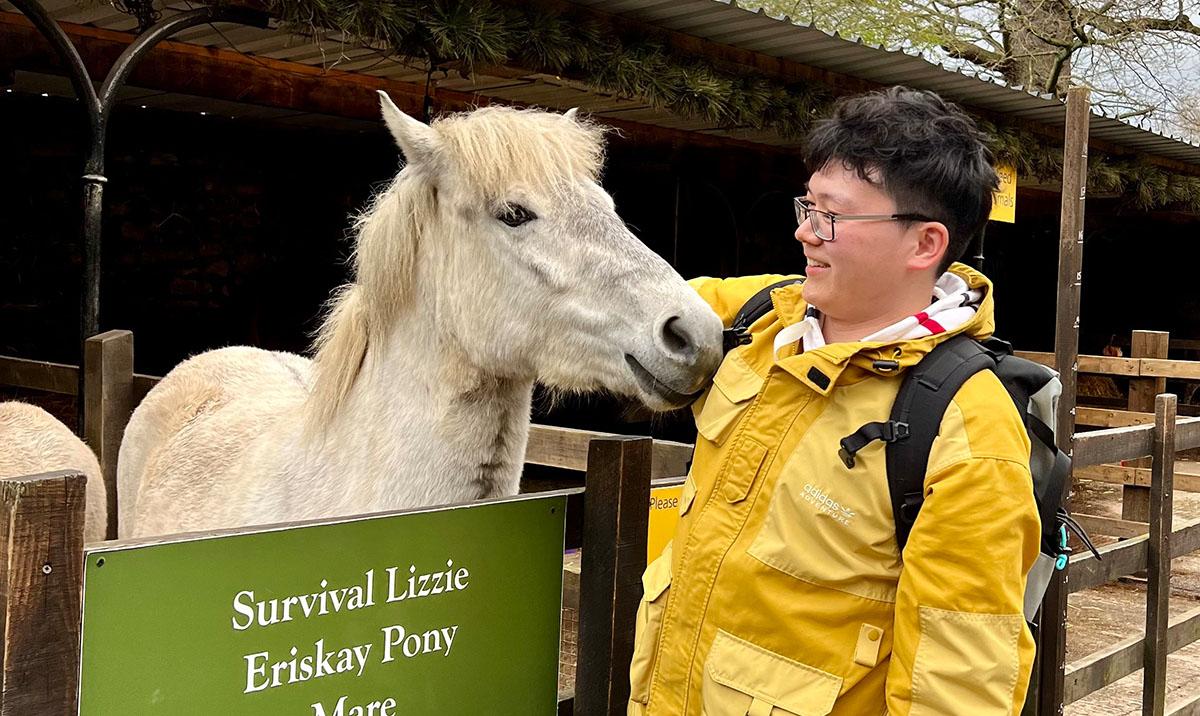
[
  {"x": 1004, "y": 201},
  {"x": 664, "y": 516}
]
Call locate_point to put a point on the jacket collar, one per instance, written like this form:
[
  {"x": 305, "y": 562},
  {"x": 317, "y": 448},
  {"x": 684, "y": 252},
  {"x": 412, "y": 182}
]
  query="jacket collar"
[{"x": 821, "y": 368}]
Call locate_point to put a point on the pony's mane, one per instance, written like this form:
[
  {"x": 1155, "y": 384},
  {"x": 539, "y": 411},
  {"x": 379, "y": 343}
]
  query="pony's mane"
[
  {"x": 492, "y": 149},
  {"x": 495, "y": 148}
]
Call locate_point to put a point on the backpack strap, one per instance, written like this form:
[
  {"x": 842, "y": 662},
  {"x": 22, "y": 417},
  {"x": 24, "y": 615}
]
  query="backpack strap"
[
  {"x": 925, "y": 393},
  {"x": 738, "y": 333}
]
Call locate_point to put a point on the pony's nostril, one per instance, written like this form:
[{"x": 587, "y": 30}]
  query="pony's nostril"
[{"x": 676, "y": 338}]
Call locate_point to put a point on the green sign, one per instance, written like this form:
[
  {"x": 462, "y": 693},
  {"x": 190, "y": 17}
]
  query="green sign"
[{"x": 448, "y": 611}]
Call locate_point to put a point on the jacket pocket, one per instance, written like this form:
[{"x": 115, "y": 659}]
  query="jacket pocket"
[
  {"x": 688, "y": 496},
  {"x": 733, "y": 390},
  {"x": 742, "y": 678},
  {"x": 966, "y": 663},
  {"x": 655, "y": 583}
]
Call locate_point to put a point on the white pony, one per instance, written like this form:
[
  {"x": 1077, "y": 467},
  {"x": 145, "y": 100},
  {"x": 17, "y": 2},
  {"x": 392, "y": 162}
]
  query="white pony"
[
  {"x": 33, "y": 441},
  {"x": 493, "y": 260}
]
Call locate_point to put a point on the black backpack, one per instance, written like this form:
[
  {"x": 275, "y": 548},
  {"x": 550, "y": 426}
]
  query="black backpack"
[{"x": 925, "y": 392}]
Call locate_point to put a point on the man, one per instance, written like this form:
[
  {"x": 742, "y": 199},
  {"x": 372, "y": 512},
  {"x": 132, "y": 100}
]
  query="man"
[{"x": 783, "y": 591}]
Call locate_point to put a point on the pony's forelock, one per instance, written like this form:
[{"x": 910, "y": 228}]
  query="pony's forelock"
[{"x": 498, "y": 147}]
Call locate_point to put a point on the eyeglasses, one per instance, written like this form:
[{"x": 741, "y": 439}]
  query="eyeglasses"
[{"x": 823, "y": 222}]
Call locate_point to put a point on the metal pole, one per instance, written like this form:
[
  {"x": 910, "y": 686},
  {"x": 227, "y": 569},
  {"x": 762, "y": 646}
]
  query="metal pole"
[
  {"x": 80, "y": 79},
  {"x": 92, "y": 181},
  {"x": 99, "y": 107}
]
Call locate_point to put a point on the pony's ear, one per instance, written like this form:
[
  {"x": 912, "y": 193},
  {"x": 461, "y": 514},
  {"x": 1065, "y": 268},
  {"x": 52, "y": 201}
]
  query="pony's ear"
[
  {"x": 416, "y": 139},
  {"x": 571, "y": 113}
]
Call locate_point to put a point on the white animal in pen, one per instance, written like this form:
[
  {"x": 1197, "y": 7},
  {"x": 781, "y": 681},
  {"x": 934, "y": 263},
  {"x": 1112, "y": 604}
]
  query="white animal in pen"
[
  {"x": 33, "y": 441},
  {"x": 493, "y": 260}
]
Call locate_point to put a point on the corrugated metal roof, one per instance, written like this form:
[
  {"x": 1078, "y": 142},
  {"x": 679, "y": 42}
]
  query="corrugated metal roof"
[
  {"x": 714, "y": 20},
  {"x": 722, "y": 21}
]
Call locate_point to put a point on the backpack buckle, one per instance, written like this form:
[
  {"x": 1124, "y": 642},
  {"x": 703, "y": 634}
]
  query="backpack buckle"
[
  {"x": 733, "y": 337},
  {"x": 911, "y": 507},
  {"x": 847, "y": 458},
  {"x": 894, "y": 430}
]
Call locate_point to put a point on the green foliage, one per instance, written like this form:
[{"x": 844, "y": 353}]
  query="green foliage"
[
  {"x": 468, "y": 34},
  {"x": 465, "y": 35}
]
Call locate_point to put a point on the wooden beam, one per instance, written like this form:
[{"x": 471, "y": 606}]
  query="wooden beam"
[
  {"x": 1121, "y": 475},
  {"x": 235, "y": 77},
  {"x": 1132, "y": 367},
  {"x": 1088, "y": 364},
  {"x": 1111, "y": 418},
  {"x": 39, "y": 375},
  {"x": 108, "y": 404},
  {"x": 1187, "y": 433},
  {"x": 1135, "y": 500},
  {"x": 41, "y": 583},
  {"x": 1070, "y": 258},
  {"x": 567, "y": 448},
  {"x": 1123, "y": 558},
  {"x": 1047, "y": 692},
  {"x": 610, "y": 580},
  {"x": 1107, "y": 666},
  {"x": 1112, "y": 445},
  {"x": 1158, "y": 559},
  {"x": 142, "y": 385},
  {"x": 1162, "y": 368},
  {"x": 1111, "y": 527},
  {"x": 1190, "y": 707}
]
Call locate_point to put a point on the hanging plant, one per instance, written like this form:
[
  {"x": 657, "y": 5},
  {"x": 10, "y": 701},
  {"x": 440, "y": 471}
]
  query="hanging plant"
[{"x": 468, "y": 34}]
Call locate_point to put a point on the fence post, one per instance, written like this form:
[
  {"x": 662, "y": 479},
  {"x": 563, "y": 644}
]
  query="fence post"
[
  {"x": 1135, "y": 499},
  {"x": 107, "y": 405},
  {"x": 616, "y": 513},
  {"x": 1158, "y": 562},
  {"x": 1046, "y": 686},
  {"x": 41, "y": 580}
]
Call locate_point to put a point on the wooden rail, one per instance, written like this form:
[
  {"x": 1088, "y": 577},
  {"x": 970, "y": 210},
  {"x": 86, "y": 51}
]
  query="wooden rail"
[
  {"x": 113, "y": 390},
  {"x": 1151, "y": 552},
  {"x": 1127, "y": 367},
  {"x": 1149, "y": 546}
]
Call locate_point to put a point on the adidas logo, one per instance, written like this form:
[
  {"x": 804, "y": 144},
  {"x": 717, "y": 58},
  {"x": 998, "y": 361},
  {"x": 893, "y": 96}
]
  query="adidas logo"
[{"x": 826, "y": 504}]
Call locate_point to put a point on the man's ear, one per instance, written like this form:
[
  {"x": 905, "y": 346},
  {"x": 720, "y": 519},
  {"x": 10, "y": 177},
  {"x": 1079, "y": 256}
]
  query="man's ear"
[{"x": 933, "y": 239}]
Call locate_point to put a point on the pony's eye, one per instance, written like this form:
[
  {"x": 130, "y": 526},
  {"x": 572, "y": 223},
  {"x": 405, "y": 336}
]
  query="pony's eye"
[{"x": 514, "y": 215}]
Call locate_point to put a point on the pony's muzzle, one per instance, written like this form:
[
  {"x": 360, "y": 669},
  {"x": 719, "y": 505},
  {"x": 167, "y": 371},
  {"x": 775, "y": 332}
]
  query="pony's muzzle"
[{"x": 691, "y": 343}]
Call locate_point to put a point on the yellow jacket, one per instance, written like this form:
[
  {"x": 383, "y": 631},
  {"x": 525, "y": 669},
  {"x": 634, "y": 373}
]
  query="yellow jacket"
[{"x": 783, "y": 591}]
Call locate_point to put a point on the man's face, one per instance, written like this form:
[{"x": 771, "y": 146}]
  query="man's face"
[{"x": 858, "y": 276}]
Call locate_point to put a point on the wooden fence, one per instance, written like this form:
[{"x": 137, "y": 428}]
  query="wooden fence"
[
  {"x": 40, "y": 609},
  {"x": 618, "y": 472},
  {"x": 1150, "y": 552},
  {"x": 1147, "y": 371}
]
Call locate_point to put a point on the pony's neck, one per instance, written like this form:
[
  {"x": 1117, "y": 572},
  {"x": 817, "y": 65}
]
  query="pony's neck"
[{"x": 431, "y": 427}]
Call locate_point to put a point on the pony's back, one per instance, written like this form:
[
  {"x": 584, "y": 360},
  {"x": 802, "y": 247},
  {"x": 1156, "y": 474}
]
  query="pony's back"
[
  {"x": 33, "y": 441},
  {"x": 181, "y": 463}
]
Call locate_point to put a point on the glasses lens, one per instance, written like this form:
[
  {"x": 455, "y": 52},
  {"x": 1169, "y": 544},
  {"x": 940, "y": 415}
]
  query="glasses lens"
[{"x": 822, "y": 223}]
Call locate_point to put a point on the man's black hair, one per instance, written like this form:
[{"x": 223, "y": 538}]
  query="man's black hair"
[{"x": 925, "y": 152}]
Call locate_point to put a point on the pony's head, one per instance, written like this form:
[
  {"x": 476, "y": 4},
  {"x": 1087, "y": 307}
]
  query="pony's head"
[{"x": 498, "y": 226}]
